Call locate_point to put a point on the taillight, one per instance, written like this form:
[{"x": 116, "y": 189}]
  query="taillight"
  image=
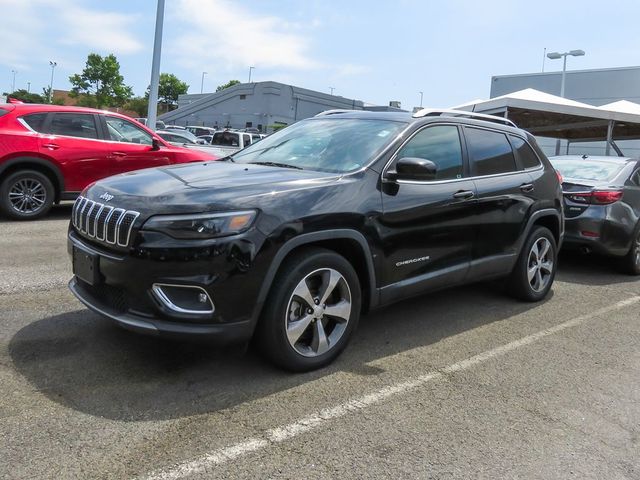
[
  {"x": 604, "y": 197},
  {"x": 596, "y": 197}
]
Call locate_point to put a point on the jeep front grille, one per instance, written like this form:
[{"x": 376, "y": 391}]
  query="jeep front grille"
[{"x": 103, "y": 222}]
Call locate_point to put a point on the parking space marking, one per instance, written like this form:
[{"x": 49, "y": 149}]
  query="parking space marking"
[{"x": 311, "y": 422}]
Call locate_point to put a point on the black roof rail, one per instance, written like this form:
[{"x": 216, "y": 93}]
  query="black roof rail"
[{"x": 428, "y": 112}]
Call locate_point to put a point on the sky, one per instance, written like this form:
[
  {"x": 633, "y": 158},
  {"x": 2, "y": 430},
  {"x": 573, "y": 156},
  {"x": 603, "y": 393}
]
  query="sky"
[{"x": 367, "y": 50}]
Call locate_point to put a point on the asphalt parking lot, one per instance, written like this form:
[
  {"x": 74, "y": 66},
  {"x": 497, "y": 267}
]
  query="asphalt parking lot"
[{"x": 464, "y": 383}]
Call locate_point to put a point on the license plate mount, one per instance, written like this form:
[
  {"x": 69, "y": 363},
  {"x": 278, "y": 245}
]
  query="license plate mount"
[{"x": 86, "y": 266}]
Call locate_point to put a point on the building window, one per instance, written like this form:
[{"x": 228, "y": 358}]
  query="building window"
[
  {"x": 243, "y": 97},
  {"x": 248, "y": 125}
]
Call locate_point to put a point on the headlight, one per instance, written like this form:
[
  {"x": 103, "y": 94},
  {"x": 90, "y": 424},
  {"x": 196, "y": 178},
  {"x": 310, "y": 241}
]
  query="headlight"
[{"x": 205, "y": 225}]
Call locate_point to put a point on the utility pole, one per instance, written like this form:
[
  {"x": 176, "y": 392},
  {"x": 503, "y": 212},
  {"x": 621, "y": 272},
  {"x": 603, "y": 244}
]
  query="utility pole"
[
  {"x": 331, "y": 89},
  {"x": 250, "y": 68},
  {"x": 202, "y": 82},
  {"x": 13, "y": 82}
]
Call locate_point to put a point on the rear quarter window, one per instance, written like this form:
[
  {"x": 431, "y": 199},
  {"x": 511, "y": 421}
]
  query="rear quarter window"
[
  {"x": 525, "y": 153},
  {"x": 35, "y": 121}
]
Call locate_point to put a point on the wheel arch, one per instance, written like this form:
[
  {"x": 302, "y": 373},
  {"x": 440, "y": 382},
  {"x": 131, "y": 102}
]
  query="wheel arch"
[
  {"x": 549, "y": 218},
  {"x": 350, "y": 244},
  {"x": 38, "y": 164}
]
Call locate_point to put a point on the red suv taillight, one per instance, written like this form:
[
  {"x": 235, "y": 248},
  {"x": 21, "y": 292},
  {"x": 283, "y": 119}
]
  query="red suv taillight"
[{"x": 596, "y": 197}]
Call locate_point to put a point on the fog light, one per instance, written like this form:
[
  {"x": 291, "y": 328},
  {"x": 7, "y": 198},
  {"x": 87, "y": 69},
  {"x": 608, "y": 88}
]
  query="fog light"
[{"x": 188, "y": 299}]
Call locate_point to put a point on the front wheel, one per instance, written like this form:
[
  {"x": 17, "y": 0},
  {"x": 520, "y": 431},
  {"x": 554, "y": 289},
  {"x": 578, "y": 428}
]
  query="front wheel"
[
  {"x": 535, "y": 269},
  {"x": 26, "y": 195},
  {"x": 311, "y": 311}
]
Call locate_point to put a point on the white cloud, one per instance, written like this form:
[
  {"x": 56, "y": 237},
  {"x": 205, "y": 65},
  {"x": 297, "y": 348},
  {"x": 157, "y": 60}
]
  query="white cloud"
[
  {"x": 105, "y": 31},
  {"x": 222, "y": 32}
]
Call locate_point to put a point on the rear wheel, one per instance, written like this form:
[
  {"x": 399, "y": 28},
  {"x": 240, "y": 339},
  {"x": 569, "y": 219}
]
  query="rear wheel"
[
  {"x": 26, "y": 195},
  {"x": 631, "y": 261},
  {"x": 311, "y": 311},
  {"x": 535, "y": 270}
]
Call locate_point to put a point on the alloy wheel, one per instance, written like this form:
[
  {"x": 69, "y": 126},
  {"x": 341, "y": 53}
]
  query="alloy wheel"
[
  {"x": 318, "y": 312},
  {"x": 540, "y": 264},
  {"x": 27, "y": 195},
  {"x": 636, "y": 250}
]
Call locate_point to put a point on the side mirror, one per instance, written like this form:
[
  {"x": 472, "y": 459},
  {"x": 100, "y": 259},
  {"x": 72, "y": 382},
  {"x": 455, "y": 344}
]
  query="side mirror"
[
  {"x": 412, "y": 168},
  {"x": 155, "y": 144}
]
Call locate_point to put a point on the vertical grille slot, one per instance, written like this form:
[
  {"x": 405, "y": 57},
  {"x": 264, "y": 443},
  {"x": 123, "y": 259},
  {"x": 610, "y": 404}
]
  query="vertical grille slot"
[{"x": 103, "y": 222}]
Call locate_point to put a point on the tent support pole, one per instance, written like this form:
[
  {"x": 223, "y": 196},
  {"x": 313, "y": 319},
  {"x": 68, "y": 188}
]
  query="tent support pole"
[{"x": 609, "y": 138}]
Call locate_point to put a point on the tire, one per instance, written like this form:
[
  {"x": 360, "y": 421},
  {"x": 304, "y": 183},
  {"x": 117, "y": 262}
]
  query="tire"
[
  {"x": 297, "y": 331},
  {"x": 630, "y": 263},
  {"x": 26, "y": 195},
  {"x": 536, "y": 267}
]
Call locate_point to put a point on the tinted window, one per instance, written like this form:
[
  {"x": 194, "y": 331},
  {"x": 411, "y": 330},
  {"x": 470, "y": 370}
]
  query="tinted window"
[
  {"x": 121, "y": 130},
  {"x": 525, "y": 153},
  {"x": 73, "y": 125},
  {"x": 490, "y": 152},
  {"x": 441, "y": 145},
  {"x": 35, "y": 121}
]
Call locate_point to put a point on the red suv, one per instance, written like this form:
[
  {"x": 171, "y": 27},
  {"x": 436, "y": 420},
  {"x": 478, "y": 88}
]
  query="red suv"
[{"x": 50, "y": 153}]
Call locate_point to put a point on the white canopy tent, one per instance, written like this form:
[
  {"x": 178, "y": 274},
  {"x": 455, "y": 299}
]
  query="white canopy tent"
[{"x": 548, "y": 115}]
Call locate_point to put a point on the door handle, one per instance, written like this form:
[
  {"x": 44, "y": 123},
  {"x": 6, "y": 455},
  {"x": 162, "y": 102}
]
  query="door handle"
[
  {"x": 51, "y": 146},
  {"x": 526, "y": 187},
  {"x": 464, "y": 194},
  {"x": 119, "y": 154}
]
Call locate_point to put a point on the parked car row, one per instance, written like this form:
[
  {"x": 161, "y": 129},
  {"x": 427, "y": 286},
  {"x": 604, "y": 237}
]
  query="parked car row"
[{"x": 290, "y": 239}]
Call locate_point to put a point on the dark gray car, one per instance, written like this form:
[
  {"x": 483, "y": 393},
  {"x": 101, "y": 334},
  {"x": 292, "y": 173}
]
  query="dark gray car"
[{"x": 602, "y": 206}]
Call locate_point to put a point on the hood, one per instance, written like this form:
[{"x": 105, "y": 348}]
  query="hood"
[{"x": 198, "y": 186}]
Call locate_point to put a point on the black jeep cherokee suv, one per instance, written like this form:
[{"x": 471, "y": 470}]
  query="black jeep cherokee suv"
[{"x": 292, "y": 238}]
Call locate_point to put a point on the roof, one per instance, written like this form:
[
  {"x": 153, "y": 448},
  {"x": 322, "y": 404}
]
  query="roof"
[
  {"x": 623, "y": 106},
  {"x": 34, "y": 107},
  {"x": 548, "y": 115}
]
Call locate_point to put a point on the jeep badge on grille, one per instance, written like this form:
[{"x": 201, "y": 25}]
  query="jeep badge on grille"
[{"x": 106, "y": 196}]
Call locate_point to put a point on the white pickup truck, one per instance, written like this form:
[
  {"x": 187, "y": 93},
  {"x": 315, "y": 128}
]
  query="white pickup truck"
[{"x": 227, "y": 142}]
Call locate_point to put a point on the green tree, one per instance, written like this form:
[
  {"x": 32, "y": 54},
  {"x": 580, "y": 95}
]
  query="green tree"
[
  {"x": 140, "y": 105},
  {"x": 100, "y": 83},
  {"x": 26, "y": 97},
  {"x": 230, "y": 83},
  {"x": 45, "y": 96},
  {"x": 168, "y": 90}
]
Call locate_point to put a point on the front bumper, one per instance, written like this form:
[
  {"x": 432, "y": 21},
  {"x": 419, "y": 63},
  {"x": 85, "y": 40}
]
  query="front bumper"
[{"x": 124, "y": 290}]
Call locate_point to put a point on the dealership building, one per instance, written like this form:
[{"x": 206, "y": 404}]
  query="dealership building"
[{"x": 261, "y": 105}]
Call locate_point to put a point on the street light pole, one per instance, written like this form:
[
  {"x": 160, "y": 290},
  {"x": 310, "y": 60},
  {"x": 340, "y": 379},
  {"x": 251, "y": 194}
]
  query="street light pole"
[
  {"x": 13, "y": 82},
  {"x": 421, "y": 93},
  {"x": 202, "y": 82},
  {"x": 250, "y": 68},
  {"x": 556, "y": 56},
  {"x": 332, "y": 89},
  {"x": 53, "y": 66},
  {"x": 28, "y": 87},
  {"x": 155, "y": 68}
]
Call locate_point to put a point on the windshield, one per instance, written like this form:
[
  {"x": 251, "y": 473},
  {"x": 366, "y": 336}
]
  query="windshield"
[
  {"x": 587, "y": 169},
  {"x": 334, "y": 145}
]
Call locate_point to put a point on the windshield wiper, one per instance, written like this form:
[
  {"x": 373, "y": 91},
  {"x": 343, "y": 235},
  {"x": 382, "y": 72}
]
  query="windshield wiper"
[
  {"x": 228, "y": 158},
  {"x": 275, "y": 164}
]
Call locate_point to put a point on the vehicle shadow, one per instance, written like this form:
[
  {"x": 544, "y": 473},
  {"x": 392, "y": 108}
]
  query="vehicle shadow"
[
  {"x": 591, "y": 269},
  {"x": 84, "y": 362}
]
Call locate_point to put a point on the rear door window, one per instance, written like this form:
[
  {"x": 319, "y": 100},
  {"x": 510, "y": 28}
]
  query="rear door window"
[
  {"x": 81, "y": 125},
  {"x": 490, "y": 152}
]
